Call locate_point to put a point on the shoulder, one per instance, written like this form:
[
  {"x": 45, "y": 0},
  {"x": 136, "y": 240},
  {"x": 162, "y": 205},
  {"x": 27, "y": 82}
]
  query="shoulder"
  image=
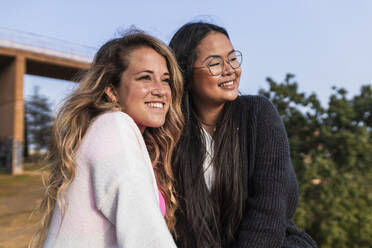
[
  {"x": 111, "y": 131},
  {"x": 253, "y": 99},
  {"x": 261, "y": 111},
  {"x": 114, "y": 122},
  {"x": 114, "y": 144},
  {"x": 256, "y": 103},
  {"x": 113, "y": 118}
]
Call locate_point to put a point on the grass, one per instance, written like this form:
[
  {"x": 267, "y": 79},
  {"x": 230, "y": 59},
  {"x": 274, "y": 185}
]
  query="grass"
[
  {"x": 20, "y": 195},
  {"x": 35, "y": 167}
]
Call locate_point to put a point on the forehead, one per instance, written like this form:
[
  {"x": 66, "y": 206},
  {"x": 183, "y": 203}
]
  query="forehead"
[
  {"x": 146, "y": 58},
  {"x": 214, "y": 44}
]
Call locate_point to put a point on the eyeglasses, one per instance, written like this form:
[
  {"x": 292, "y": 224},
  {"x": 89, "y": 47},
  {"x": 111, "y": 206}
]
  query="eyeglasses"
[{"x": 216, "y": 65}]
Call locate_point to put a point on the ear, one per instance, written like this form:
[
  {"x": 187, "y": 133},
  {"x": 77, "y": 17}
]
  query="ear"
[{"x": 110, "y": 92}]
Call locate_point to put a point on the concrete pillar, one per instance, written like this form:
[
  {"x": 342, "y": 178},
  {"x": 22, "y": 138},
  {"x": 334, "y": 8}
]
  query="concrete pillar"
[{"x": 12, "y": 114}]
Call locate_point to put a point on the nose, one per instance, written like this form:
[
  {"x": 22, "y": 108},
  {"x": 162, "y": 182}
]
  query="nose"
[
  {"x": 158, "y": 89},
  {"x": 227, "y": 68}
]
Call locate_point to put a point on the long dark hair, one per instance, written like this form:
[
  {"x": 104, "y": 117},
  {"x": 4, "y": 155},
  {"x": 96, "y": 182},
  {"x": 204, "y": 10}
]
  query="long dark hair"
[{"x": 205, "y": 219}]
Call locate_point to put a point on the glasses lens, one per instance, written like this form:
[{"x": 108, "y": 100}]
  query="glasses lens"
[
  {"x": 235, "y": 59},
  {"x": 216, "y": 66}
]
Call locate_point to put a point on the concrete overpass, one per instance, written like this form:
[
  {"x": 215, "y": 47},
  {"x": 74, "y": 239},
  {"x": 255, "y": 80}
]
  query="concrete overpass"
[{"x": 17, "y": 59}]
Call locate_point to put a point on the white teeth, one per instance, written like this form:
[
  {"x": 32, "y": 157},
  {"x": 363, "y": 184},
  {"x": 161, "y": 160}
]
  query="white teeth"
[
  {"x": 227, "y": 83},
  {"x": 155, "y": 104}
]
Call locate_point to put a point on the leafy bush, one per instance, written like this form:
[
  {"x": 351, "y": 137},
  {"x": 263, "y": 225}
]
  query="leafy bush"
[{"x": 331, "y": 151}]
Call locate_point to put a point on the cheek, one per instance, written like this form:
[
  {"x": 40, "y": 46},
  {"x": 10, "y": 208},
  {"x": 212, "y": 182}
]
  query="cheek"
[
  {"x": 208, "y": 86},
  {"x": 238, "y": 73},
  {"x": 139, "y": 92},
  {"x": 168, "y": 94},
  {"x": 203, "y": 81},
  {"x": 132, "y": 96}
]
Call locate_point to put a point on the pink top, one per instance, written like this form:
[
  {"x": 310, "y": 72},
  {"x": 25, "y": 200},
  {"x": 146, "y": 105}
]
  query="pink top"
[{"x": 162, "y": 203}]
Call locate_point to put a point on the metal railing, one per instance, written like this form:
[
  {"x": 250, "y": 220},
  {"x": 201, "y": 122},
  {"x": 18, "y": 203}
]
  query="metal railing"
[{"x": 46, "y": 45}]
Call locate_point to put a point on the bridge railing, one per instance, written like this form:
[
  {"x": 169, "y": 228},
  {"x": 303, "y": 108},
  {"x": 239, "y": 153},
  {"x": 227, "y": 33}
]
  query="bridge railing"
[{"x": 45, "y": 45}]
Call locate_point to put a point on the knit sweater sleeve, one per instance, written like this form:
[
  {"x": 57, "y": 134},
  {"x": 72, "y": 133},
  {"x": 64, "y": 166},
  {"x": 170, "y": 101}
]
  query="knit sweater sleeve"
[
  {"x": 123, "y": 183},
  {"x": 273, "y": 183}
]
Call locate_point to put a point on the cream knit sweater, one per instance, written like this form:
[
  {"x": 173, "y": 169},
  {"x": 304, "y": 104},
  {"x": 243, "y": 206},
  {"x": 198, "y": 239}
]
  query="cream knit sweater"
[{"x": 113, "y": 199}]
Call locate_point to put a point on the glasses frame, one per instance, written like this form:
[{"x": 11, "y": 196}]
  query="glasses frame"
[{"x": 223, "y": 64}]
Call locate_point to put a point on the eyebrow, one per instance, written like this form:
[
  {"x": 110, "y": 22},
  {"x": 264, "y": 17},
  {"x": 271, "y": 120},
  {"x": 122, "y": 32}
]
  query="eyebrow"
[
  {"x": 148, "y": 71},
  {"x": 217, "y": 56},
  {"x": 151, "y": 72}
]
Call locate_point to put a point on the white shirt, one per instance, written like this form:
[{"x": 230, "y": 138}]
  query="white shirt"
[{"x": 209, "y": 172}]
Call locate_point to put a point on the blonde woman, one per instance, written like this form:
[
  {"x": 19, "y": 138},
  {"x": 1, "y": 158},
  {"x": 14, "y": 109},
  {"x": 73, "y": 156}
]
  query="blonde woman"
[{"x": 111, "y": 182}]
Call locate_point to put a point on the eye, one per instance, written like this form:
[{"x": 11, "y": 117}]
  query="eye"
[
  {"x": 167, "y": 80},
  {"x": 215, "y": 62},
  {"x": 145, "y": 77}
]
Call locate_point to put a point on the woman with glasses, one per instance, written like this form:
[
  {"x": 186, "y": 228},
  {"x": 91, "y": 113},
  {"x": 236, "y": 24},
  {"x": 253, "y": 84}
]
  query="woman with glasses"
[{"x": 235, "y": 183}]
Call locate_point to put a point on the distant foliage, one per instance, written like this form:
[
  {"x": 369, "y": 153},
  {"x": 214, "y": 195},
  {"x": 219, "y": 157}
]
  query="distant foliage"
[
  {"x": 38, "y": 122},
  {"x": 331, "y": 150}
]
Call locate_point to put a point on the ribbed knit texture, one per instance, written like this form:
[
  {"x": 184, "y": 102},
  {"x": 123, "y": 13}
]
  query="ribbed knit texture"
[{"x": 271, "y": 189}]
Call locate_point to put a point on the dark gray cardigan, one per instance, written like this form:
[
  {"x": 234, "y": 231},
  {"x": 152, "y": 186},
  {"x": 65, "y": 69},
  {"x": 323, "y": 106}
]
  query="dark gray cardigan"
[{"x": 271, "y": 189}]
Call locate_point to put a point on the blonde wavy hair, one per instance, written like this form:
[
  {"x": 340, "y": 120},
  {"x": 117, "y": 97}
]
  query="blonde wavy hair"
[{"x": 89, "y": 101}]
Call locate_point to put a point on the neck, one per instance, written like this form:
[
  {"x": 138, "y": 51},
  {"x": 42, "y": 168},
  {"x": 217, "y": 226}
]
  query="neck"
[
  {"x": 208, "y": 115},
  {"x": 141, "y": 128}
]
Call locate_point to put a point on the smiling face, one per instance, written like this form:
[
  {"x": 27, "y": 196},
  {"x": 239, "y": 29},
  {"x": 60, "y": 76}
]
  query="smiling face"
[
  {"x": 214, "y": 90},
  {"x": 144, "y": 92}
]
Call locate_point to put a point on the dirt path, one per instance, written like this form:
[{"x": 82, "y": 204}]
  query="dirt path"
[{"x": 19, "y": 196}]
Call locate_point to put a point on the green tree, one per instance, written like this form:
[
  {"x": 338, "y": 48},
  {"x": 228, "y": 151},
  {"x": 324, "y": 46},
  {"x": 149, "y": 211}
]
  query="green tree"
[
  {"x": 38, "y": 121},
  {"x": 331, "y": 151}
]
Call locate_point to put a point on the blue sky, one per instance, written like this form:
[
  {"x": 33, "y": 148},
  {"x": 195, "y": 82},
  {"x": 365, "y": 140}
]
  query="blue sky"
[{"x": 323, "y": 42}]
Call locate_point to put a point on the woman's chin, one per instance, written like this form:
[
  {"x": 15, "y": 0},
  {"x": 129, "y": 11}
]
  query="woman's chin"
[
  {"x": 155, "y": 124},
  {"x": 231, "y": 96}
]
